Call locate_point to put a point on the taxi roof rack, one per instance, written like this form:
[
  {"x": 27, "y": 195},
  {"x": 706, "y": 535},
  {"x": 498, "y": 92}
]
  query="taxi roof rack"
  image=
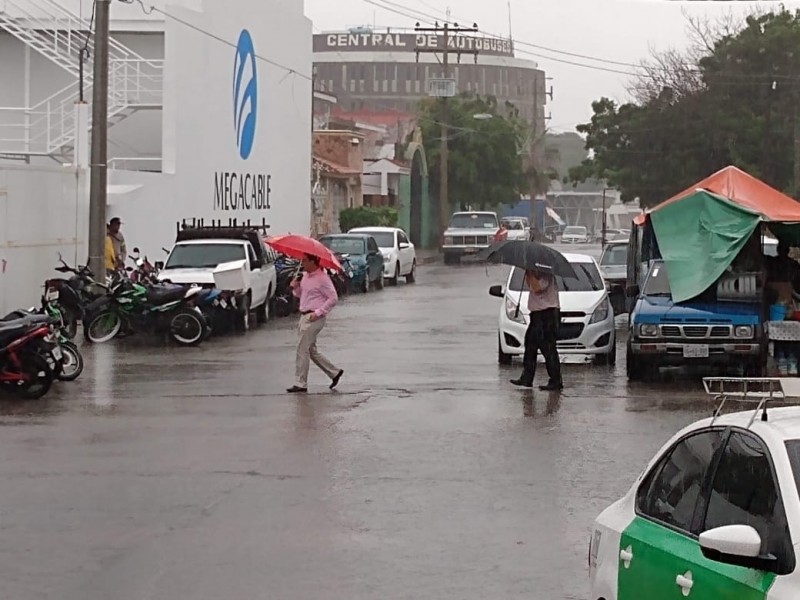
[{"x": 758, "y": 390}]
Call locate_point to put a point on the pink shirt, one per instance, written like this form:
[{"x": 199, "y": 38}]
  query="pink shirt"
[
  {"x": 316, "y": 293},
  {"x": 546, "y": 298}
]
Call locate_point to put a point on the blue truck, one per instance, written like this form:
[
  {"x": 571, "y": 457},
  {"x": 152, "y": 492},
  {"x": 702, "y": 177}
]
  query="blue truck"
[{"x": 664, "y": 333}]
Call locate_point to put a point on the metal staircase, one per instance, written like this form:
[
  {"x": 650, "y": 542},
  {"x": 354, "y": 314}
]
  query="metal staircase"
[{"x": 48, "y": 127}]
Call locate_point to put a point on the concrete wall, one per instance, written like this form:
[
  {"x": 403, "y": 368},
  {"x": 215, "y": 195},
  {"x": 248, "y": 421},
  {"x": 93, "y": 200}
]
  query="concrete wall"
[{"x": 43, "y": 211}]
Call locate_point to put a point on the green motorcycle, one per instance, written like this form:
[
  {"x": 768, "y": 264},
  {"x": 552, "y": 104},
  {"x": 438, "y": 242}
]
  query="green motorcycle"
[{"x": 131, "y": 307}]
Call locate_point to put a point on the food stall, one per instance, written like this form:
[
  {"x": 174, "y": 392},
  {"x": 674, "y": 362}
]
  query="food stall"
[{"x": 713, "y": 238}]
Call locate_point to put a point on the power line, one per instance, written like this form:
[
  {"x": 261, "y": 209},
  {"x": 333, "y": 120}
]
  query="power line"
[{"x": 152, "y": 9}]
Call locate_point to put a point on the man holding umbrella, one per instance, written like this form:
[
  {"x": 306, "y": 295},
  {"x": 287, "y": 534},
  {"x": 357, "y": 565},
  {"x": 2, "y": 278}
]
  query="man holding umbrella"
[
  {"x": 317, "y": 297},
  {"x": 542, "y": 333},
  {"x": 541, "y": 264}
]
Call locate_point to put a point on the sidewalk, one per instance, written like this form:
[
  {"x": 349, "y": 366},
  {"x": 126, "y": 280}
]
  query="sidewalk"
[{"x": 428, "y": 256}]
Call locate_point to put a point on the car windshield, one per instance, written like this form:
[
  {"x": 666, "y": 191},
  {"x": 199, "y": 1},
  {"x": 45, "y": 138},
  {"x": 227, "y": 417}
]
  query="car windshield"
[
  {"x": 473, "y": 221},
  {"x": 514, "y": 225},
  {"x": 614, "y": 256},
  {"x": 385, "y": 239},
  {"x": 793, "y": 449},
  {"x": 589, "y": 279},
  {"x": 657, "y": 283},
  {"x": 344, "y": 245},
  {"x": 203, "y": 256},
  {"x": 575, "y": 230}
]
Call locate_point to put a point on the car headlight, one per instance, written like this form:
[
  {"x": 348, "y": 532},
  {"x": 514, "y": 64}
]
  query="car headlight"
[
  {"x": 513, "y": 313},
  {"x": 648, "y": 330},
  {"x": 743, "y": 331},
  {"x": 448, "y": 240},
  {"x": 600, "y": 313},
  {"x": 387, "y": 258}
]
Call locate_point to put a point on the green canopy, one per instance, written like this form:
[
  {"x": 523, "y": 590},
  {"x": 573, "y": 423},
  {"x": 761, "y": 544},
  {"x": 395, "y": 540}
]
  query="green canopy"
[{"x": 699, "y": 237}]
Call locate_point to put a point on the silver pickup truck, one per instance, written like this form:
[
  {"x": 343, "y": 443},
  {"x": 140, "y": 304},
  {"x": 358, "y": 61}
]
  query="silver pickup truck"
[{"x": 468, "y": 233}]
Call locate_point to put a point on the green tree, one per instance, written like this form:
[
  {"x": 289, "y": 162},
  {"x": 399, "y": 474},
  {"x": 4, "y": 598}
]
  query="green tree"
[
  {"x": 484, "y": 163},
  {"x": 736, "y": 104}
]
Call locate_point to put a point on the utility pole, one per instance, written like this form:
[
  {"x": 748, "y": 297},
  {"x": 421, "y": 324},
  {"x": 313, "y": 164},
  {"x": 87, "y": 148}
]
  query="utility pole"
[
  {"x": 99, "y": 157},
  {"x": 444, "y": 88}
]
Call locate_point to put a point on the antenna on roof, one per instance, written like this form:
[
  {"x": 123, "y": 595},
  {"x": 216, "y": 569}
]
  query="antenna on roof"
[{"x": 510, "y": 35}]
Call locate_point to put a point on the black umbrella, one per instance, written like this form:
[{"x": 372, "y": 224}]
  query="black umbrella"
[{"x": 531, "y": 256}]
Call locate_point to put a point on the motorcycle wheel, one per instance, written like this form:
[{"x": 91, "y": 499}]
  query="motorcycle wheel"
[
  {"x": 187, "y": 327},
  {"x": 102, "y": 327},
  {"x": 40, "y": 377},
  {"x": 72, "y": 362}
]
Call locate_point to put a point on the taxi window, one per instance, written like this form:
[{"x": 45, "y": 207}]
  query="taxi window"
[
  {"x": 670, "y": 492},
  {"x": 744, "y": 492}
]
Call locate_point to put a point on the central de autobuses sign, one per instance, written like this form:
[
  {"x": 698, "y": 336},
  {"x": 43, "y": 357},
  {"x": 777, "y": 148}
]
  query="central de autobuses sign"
[{"x": 409, "y": 42}]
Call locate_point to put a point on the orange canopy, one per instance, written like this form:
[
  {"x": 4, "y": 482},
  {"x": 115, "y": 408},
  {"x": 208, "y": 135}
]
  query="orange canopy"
[{"x": 746, "y": 191}]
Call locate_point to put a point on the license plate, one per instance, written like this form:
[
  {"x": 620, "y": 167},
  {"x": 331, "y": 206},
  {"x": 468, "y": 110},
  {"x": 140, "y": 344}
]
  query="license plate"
[
  {"x": 470, "y": 250},
  {"x": 57, "y": 353},
  {"x": 695, "y": 351},
  {"x": 51, "y": 295}
]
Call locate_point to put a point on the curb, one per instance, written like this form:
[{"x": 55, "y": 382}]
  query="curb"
[{"x": 428, "y": 259}]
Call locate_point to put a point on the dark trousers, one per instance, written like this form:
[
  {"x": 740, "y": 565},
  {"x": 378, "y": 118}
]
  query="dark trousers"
[{"x": 542, "y": 336}]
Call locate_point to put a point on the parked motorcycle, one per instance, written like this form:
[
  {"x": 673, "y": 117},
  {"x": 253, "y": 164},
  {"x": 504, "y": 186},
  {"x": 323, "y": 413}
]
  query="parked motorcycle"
[
  {"x": 23, "y": 370},
  {"x": 69, "y": 297},
  {"x": 285, "y": 303},
  {"x": 162, "y": 308},
  {"x": 60, "y": 352}
]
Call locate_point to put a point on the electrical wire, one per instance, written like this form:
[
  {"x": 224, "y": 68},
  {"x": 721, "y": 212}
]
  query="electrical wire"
[{"x": 152, "y": 9}]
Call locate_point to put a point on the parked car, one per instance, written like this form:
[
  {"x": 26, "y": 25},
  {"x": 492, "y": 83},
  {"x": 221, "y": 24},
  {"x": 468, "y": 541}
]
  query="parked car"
[
  {"x": 715, "y": 514},
  {"x": 399, "y": 254},
  {"x": 468, "y": 233},
  {"x": 364, "y": 256},
  {"x": 576, "y": 234},
  {"x": 516, "y": 228},
  {"x": 587, "y": 318},
  {"x": 612, "y": 235},
  {"x": 614, "y": 269}
]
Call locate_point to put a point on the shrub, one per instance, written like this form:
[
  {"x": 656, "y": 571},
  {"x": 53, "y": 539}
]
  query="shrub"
[{"x": 367, "y": 216}]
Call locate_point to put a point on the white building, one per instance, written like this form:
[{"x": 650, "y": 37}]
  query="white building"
[{"x": 209, "y": 117}]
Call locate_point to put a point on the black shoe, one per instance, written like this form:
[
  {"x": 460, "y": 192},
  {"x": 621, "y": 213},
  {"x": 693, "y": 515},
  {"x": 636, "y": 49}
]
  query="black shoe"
[
  {"x": 335, "y": 380},
  {"x": 295, "y": 389},
  {"x": 522, "y": 383},
  {"x": 553, "y": 386}
]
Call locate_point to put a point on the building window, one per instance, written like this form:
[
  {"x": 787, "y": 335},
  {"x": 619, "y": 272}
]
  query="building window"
[
  {"x": 385, "y": 86},
  {"x": 417, "y": 86},
  {"x": 352, "y": 85},
  {"x": 408, "y": 86}
]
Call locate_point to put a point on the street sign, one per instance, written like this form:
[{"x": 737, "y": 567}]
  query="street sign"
[{"x": 442, "y": 87}]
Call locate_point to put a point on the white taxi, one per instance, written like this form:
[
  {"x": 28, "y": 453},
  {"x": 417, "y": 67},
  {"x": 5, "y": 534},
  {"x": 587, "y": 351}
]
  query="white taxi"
[{"x": 714, "y": 516}]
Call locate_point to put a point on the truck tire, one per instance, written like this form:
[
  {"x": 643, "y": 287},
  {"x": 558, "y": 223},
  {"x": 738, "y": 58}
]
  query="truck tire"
[
  {"x": 263, "y": 311},
  {"x": 632, "y": 367},
  {"x": 243, "y": 315}
]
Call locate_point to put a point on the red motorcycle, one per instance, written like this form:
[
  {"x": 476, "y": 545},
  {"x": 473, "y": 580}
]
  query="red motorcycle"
[{"x": 23, "y": 370}]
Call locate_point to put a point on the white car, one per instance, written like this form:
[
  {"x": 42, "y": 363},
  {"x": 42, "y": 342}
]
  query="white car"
[
  {"x": 399, "y": 254},
  {"x": 587, "y": 318},
  {"x": 575, "y": 234},
  {"x": 516, "y": 228},
  {"x": 715, "y": 515}
]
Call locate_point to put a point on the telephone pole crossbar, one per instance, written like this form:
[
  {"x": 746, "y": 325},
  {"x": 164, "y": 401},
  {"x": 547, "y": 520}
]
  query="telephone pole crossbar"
[{"x": 447, "y": 32}]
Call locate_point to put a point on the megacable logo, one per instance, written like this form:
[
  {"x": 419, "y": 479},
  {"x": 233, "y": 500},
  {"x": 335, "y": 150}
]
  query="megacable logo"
[{"x": 245, "y": 94}]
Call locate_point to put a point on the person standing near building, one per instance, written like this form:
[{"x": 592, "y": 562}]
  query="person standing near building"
[
  {"x": 120, "y": 250},
  {"x": 542, "y": 333},
  {"x": 317, "y": 298}
]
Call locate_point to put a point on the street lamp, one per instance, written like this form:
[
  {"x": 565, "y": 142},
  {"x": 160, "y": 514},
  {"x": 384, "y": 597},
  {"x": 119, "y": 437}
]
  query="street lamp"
[{"x": 603, "y": 223}]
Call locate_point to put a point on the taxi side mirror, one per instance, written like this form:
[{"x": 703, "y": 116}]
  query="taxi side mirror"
[
  {"x": 497, "y": 291},
  {"x": 738, "y": 545}
]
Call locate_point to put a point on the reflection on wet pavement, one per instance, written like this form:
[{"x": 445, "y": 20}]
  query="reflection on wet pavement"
[{"x": 168, "y": 473}]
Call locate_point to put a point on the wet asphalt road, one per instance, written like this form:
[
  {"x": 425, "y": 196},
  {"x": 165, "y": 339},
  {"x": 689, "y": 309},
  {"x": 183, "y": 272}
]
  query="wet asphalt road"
[{"x": 170, "y": 474}]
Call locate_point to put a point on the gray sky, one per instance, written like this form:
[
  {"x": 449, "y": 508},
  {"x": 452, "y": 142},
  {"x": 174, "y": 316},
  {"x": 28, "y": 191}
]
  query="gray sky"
[{"x": 616, "y": 30}]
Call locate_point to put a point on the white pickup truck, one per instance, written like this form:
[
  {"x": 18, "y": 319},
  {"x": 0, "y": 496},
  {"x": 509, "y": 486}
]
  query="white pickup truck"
[
  {"x": 470, "y": 232},
  {"x": 197, "y": 253}
]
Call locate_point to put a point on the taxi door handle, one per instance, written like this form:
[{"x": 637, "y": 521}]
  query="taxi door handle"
[
  {"x": 626, "y": 556},
  {"x": 685, "y": 582}
]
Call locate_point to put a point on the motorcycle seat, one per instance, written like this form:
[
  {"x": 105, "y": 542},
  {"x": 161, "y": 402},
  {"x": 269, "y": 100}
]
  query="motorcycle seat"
[
  {"x": 158, "y": 295},
  {"x": 21, "y": 317},
  {"x": 10, "y": 333}
]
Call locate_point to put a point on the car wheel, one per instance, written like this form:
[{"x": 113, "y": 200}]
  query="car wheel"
[
  {"x": 243, "y": 316},
  {"x": 365, "y": 285},
  {"x": 379, "y": 280},
  {"x": 393, "y": 280},
  {"x": 412, "y": 276},
  {"x": 502, "y": 357}
]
